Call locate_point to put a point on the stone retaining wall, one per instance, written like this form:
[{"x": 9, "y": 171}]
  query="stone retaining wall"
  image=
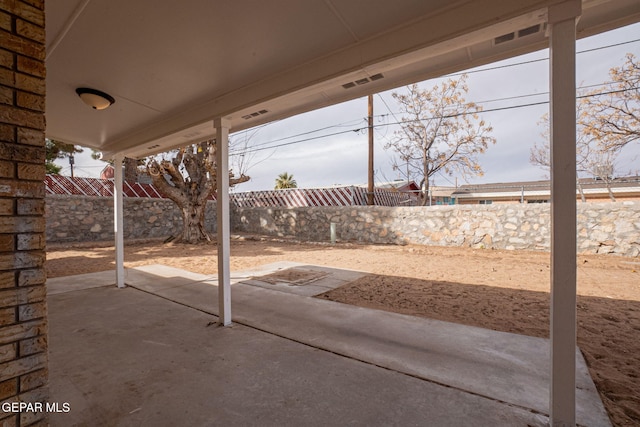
[
  {"x": 602, "y": 227},
  {"x": 86, "y": 219}
]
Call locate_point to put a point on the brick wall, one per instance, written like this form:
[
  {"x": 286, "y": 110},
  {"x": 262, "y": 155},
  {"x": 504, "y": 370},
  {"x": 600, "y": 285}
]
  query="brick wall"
[{"x": 23, "y": 318}]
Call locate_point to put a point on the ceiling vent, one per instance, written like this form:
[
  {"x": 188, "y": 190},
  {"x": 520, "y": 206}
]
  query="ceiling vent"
[
  {"x": 534, "y": 29},
  {"x": 254, "y": 114},
  {"x": 363, "y": 81},
  {"x": 153, "y": 147}
]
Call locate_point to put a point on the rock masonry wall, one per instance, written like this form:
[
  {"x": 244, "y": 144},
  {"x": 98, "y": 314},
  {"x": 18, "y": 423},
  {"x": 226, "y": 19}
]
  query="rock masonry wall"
[
  {"x": 602, "y": 227},
  {"x": 86, "y": 219}
]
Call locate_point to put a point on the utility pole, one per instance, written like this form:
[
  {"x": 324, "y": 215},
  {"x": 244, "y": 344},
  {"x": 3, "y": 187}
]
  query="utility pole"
[{"x": 370, "y": 190}]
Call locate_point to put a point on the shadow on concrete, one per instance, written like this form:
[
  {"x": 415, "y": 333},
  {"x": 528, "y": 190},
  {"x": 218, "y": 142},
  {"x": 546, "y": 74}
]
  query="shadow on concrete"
[{"x": 153, "y": 355}]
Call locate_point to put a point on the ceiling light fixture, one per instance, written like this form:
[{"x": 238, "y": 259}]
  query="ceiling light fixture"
[{"x": 94, "y": 98}]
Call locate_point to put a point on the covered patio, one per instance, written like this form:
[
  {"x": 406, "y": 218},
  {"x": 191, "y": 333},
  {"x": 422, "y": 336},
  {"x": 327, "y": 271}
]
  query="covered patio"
[
  {"x": 153, "y": 354},
  {"x": 183, "y": 73}
]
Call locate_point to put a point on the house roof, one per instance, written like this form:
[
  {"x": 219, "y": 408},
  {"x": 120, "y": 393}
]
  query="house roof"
[
  {"x": 173, "y": 67},
  {"x": 630, "y": 184}
]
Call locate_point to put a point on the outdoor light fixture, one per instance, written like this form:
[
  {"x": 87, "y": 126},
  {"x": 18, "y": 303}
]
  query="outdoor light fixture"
[{"x": 94, "y": 98}]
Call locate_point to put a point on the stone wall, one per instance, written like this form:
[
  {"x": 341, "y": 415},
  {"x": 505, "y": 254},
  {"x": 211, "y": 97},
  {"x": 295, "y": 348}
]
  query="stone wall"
[
  {"x": 602, "y": 227},
  {"x": 23, "y": 306},
  {"x": 85, "y": 219}
]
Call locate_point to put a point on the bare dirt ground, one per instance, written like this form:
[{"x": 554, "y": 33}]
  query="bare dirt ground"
[{"x": 501, "y": 290}]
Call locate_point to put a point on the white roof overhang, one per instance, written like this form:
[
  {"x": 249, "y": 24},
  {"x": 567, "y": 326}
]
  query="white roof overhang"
[{"x": 175, "y": 66}]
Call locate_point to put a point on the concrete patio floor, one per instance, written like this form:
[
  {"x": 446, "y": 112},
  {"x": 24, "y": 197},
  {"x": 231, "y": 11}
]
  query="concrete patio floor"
[{"x": 152, "y": 354}]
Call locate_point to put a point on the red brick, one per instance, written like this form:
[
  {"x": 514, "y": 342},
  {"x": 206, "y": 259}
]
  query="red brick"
[
  {"x": 23, "y": 46},
  {"x": 5, "y": 21},
  {"x": 33, "y": 345},
  {"x": 21, "y": 331},
  {"x": 24, "y": 296},
  {"x": 6, "y": 95},
  {"x": 31, "y": 84},
  {"x": 35, "y": 3},
  {"x": 30, "y": 137},
  {"x": 6, "y": 58},
  {"x": 17, "y": 367},
  {"x": 30, "y": 242},
  {"x": 22, "y": 153},
  {"x": 20, "y": 117},
  {"x": 31, "y": 277},
  {"x": 30, "y": 31},
  {"x": 7, "y": 133},
  {"x": 6, "y": 205},
  {"x": 21, "y": 260},
  {"x": 32, "y": 311},
  {"x": 7, "y": 316},
  {"x": 38, "y": 395},
  {"x": 31, "y": 189},
  {"x": 31, "y": 171},
  {"x": 33, "y": 380},
  {"x": 31, "y": 66},
  {"x": 7, "y": 279},
  {"x": 8, "y": 352},
  {"x": 7, "y": 78},
  {"x": 8, "y": 388},
  {"x": 25, "y": 11},
  {"x": 24, "y": 224},
  {"x": 31, "y": 206},
  {"x": 7, "y": 243},
  {"x": 30, "y": 101}
]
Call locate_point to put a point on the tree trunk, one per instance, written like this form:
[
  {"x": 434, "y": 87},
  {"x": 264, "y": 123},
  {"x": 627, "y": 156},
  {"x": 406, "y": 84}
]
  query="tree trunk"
[
  {"x": 193, "y": 230},
  {"x": 611, "y": 196},
  {"x": 130, "y": 169}
]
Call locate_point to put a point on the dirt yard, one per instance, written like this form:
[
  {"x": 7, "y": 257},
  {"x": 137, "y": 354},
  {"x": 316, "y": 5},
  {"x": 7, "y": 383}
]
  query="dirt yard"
[{"x": 501, "y": 290}]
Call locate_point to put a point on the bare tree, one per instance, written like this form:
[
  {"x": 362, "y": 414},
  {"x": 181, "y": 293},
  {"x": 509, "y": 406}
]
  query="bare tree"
[
  {"x": 614, "y": 109},
  {"x": 189, "y": 179},
  {"x": 592, "y": 158},
  {"x": 439, "y": 131}
]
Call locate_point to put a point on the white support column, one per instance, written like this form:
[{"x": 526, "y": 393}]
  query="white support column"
[
  {"x": 562, "y": 34},
  {"x": 223, "y": 220},
  {"x": 118, "y": 222}
]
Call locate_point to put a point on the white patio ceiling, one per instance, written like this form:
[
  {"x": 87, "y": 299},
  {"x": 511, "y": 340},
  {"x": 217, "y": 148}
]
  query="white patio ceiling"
[{"x": 175, "y": 66}]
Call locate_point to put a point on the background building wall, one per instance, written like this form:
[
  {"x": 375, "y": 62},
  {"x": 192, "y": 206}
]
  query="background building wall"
[{"x": 23, "y": 309}]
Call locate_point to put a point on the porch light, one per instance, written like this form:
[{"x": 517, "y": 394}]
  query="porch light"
[{"x": 94, "y": 98}]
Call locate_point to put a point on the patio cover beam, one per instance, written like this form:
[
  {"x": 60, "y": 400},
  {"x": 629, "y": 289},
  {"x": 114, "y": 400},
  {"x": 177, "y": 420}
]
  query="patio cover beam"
[
  {"x": 222, "y": 219},
  {"x": 562, "y": 81}
]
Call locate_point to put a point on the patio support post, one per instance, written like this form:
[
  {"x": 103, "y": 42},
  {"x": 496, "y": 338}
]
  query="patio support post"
[
  {"x": 562, "y": 80},
  {"x": 118, "y": 222},
  {"x": 222, "y": 220}
]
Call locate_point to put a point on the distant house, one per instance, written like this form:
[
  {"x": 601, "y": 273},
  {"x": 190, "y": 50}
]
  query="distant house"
[
  {"x": 401, "y": 186},
  {"x": 594, "y": 190},
  {"x": 438, "y": 196}
]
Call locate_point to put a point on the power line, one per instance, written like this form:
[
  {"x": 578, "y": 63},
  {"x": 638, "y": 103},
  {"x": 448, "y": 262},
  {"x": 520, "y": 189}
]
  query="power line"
[
  {"x": 267, "y": 145},
  {"x": 532, "y": 61},
  {"x": 491, "y": 110}
]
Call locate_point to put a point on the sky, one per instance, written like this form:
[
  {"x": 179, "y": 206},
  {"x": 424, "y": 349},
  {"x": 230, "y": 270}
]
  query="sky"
[{"x": 329, "y": 146}]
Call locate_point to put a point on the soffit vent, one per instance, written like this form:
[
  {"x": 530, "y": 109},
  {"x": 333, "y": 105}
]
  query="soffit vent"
[
  {"x": 254, "y": 114},
  {"x": 363, "y": 81},
  {"x": 534, "y": 29}
]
